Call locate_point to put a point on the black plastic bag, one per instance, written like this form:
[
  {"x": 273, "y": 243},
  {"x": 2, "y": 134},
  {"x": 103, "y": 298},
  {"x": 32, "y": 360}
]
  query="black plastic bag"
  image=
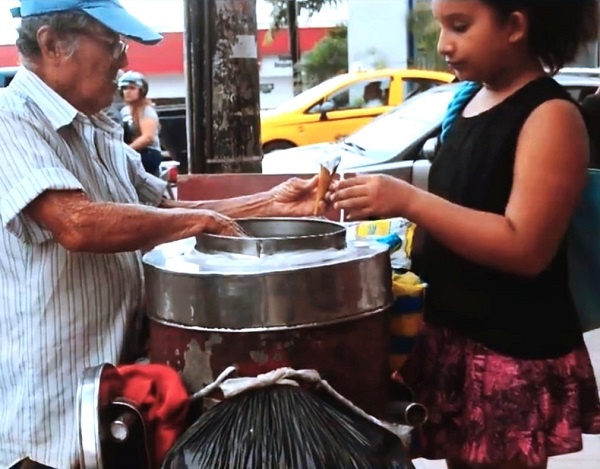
[{"x": 286, "y": 427}]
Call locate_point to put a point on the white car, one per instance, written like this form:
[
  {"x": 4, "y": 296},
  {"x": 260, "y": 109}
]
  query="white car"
[
  {"x": 393, "y": 142},
  {"x": 387, "y": 139}
]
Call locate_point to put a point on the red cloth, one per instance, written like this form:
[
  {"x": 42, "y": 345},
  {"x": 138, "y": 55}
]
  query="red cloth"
[{"x": 163, "y": 401}]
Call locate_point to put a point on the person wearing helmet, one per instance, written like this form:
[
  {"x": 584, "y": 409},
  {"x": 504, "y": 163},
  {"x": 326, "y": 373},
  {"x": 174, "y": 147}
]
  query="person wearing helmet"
[{"x": 140, "y": 120}]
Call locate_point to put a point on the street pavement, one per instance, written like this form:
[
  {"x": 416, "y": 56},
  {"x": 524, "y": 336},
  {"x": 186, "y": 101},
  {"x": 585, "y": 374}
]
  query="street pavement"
[{"x": 589, "y": 458}]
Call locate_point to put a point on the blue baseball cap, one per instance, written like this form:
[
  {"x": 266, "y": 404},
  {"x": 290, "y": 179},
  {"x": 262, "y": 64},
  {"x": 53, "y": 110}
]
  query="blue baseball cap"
[{"x": 108, "y": 12}]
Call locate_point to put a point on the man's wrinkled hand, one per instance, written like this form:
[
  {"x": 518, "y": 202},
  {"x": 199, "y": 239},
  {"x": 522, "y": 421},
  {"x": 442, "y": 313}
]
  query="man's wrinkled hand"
[
  {"x": 218, "y": 224},
  {"x": 296, "y": 197}
]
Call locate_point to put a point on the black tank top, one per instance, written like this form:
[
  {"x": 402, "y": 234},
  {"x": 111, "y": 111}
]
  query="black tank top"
[{"x": 517, "y": 316}]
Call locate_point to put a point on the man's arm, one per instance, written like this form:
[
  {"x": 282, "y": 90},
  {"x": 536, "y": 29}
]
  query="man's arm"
[
  {"x": 81, "y": 225},
  {"x": 257, "y": 205},
  {"x": 292, "y": 198},
  {"x": 42, "y": 200}
]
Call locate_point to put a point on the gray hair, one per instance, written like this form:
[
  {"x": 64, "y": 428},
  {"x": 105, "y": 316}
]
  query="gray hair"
[{"x": 67, "y": 24}]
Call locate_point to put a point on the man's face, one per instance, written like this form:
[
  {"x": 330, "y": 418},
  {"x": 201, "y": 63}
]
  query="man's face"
[
  {"x": 371, "y": 92},
  {"x": 87, "y": 78}
]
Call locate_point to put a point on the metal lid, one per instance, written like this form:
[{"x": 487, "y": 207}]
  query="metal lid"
[{"x": 276, "y": 235}]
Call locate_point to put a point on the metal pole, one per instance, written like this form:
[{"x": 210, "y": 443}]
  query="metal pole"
[
  {"x": 198, "y": 70},
  {"x": 223, "y": 100},
  {"x": 411, "y": 37},
  {"x": 294, "y": 44}
]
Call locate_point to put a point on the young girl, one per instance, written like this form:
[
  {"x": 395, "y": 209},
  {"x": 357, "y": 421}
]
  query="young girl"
[
  {"x": 501, "y": 363},
  {"x": 140, "y": 120}
]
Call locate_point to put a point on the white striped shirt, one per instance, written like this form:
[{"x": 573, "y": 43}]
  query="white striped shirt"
[{"x": 60, "y": 311}]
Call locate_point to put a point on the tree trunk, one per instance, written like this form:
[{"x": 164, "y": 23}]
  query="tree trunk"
[{"x": 294, "y": 44}]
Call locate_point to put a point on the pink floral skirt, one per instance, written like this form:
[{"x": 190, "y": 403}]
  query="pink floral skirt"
[{"x": 487, "y": 408}]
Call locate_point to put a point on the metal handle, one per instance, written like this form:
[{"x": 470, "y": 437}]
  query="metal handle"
[
  {"x": 121, "y": 426},
  {"x": 406, "y": 413}
]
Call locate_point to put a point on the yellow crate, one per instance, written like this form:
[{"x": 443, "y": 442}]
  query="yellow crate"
[
  {"x": 406, "y": 316},
  {"x": 407, "y": 325},
  {"x": 373, "y": 228}
]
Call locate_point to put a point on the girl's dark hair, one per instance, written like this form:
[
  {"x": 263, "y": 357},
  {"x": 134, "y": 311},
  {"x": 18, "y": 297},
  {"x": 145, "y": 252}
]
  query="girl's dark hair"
[{"x": 558, "y": 29}]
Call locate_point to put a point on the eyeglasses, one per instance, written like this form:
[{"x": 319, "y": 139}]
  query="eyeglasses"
[{"x": 117, "y": 47}]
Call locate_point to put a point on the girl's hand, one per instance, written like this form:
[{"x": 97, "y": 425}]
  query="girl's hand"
[{"x": 371, "y": 196}]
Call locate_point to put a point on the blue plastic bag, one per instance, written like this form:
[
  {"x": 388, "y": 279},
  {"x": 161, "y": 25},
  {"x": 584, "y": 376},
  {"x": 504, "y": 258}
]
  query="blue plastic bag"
[{"x": 584, "y": 254}]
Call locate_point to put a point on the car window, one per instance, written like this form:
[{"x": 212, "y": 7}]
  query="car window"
[
  {"x": 579, "y": 93},
  {"x": 578, "y": 83},
  {"x": 6, "y": 78},
  {"x": 311, "y": 95},
  {"x": 360, "y": 95},
  {"x": 586, "y": 91},
  {"x": 413, "y": 86},
  {"x": 395, "y": 131}
]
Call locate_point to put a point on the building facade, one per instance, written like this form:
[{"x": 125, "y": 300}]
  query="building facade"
[{"x": 163, "y": 64}]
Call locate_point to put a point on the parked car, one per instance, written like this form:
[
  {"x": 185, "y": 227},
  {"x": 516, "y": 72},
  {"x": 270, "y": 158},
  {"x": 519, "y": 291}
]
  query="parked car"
[
  {"x": 289, "y": 125},
  {"x": 6, "y": 75},
  {"x": 395, "y": 137},
  {"x": 394, "y": 142},
  {"x": 341, "y": 105}
]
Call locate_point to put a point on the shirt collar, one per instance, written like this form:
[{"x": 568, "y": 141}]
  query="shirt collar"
[
  {"x": 106, "y": 124},
  {"x": 59, "y": 111}
]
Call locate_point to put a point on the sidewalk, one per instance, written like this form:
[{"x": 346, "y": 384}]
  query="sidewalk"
[{"x": 589, "y": 458}]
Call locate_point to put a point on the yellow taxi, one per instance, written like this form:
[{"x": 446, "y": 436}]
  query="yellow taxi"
[{"x": 339, "y": 106}]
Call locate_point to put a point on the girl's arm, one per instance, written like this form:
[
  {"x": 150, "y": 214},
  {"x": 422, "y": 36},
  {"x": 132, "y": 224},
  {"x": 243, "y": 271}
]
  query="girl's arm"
[{"x": 549, "y": 176}]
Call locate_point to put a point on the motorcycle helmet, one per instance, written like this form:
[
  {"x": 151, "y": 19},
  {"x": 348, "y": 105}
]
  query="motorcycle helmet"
[{"x": 136, "y": 79}]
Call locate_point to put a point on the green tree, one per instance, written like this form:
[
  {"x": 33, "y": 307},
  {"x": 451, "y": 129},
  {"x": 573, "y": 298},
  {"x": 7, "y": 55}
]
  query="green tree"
[
  {"x": 329, "y": 57},
  {"x": 425, "y": 32},
  {"x": 280, "y": 9},
  {"x": 420, "y": 21}
]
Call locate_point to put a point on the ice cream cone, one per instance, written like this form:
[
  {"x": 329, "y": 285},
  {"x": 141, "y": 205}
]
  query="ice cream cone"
[{"x": 325, "y": 177}]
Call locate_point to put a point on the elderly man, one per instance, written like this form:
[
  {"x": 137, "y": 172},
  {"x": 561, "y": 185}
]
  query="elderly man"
[{"x": 76, "y": 209}]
